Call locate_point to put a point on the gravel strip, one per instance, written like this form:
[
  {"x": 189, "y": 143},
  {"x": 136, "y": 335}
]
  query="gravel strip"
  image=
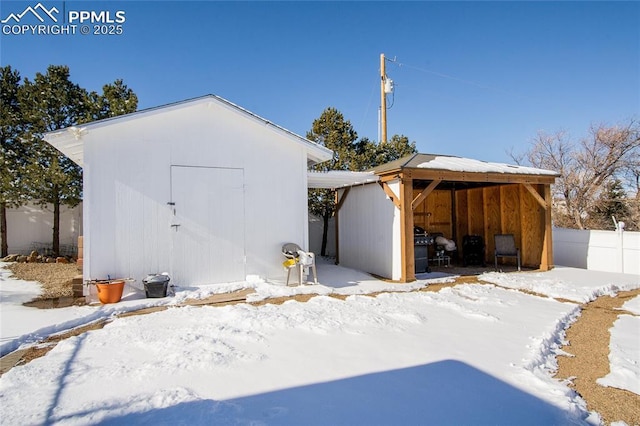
[
  {"x": 54, "y": 277},
  {"x": 588, "y": 342}
]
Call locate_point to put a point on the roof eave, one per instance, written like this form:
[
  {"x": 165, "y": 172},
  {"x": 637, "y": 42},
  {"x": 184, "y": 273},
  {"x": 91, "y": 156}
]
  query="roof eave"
[{"x": 63, "y": 140}]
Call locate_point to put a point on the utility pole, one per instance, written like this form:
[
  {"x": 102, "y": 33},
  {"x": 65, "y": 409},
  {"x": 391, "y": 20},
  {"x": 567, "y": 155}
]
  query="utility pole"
[{"x": 383, "y": 100}]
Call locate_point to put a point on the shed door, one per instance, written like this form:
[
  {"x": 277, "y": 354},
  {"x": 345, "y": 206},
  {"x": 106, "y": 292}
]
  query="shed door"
[{"x": 208, "y": 243}]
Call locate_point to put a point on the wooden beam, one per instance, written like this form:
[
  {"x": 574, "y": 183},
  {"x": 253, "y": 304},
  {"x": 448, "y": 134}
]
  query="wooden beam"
[
  {"x": 340, "y": 201},
  {"x": 408, "y": 271},
  {"x": 420, "y": 198},
  {"x": 390, "y": 194},
  {"x": 390, "y": 177},
  {"x": 448, "y": 175},
  {"x": 547, "y": 247},
  {"x": 537, "y": 196},
  {"x": 524, "y": 240},
  {"x": 336, "y": 221}
]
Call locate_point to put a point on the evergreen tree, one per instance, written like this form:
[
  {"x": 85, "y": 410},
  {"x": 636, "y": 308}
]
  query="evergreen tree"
[
  {"x": 11, "y": 156},
  {"x": 334, "y": 132},
  {"x": 610, "y": 203},
  {"x": 371, "y": 154},
  {"x": 53, "y": 102},
  {"x": 116, "y": 99}
]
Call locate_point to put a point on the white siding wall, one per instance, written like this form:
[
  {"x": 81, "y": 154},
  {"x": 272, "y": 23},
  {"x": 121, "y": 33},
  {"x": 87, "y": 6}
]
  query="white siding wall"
[
  {"x": 597, "y": 250},
  {"x": 369, "y": 227},
  {"x": 127, "y": 188},
  {"x": 31, "y": 226}
]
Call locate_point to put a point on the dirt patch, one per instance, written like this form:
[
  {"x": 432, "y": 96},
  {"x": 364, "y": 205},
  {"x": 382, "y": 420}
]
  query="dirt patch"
[
  {"x": 41, "y": 349},
  {"x": 589, "y": 339},
  {"x": 55, "y": 279}
]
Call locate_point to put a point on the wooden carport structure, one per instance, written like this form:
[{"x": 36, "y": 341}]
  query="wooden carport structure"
[
  {"x": 457, "y": 196},
  {"x": 450, "y": 195}
]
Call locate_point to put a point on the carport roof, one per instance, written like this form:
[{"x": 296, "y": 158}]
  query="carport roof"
[
  {"x": 447, "y": 168},
  {"x": 339, "y": 178},
  {"x": 451, "y": 163}
]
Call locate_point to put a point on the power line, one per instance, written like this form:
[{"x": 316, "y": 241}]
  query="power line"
[
  {"x": 366, "y": 112},
  {"x": 454, "y": 78}
]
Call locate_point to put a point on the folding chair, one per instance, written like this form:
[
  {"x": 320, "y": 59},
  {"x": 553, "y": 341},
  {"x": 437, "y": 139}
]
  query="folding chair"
[{"x": 506, "y": 247}]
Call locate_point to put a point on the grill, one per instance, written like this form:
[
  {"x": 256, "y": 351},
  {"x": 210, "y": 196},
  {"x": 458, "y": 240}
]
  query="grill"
[{"x": 421, "y": 242}]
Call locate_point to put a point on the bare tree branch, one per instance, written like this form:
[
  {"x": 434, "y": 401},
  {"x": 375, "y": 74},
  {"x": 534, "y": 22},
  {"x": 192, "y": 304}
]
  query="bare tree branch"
[{"x": 586, "y": 167}]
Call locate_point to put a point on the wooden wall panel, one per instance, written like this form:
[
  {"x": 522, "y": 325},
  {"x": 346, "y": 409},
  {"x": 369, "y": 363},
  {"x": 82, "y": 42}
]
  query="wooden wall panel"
[
  {"x": 510, "y": 212},
  {"x": 532, "y": 226},
  {"x": 492, "y": 220},
  {"x": 504, "y": 209},
  {"x": 475, "y": 212},
  {"x": 462, "y": 216},
  {"x": 439, "y": 205},
  {"x": 420, "y": 213},
  {"x": 510, "y": 215}
]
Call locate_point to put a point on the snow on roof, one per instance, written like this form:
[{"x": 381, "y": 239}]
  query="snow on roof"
[
  {"x": 70, "y": 142},
  {"x": 459, "y": 164},
  {"x": 339, "y": 178}
]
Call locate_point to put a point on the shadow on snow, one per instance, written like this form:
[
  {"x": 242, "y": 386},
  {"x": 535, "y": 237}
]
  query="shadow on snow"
[{"x": 446, "y": 392}]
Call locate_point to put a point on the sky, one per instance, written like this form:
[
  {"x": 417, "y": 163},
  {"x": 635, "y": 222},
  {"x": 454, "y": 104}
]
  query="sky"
[
  {"x": 473, "y": 79},
  {"x": 468, "y": 354}
]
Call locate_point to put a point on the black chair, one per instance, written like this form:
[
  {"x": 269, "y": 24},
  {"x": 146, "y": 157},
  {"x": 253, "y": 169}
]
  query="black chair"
[
  {"x": 505, "y": 247},
  {"x": 473, "y": 250}
]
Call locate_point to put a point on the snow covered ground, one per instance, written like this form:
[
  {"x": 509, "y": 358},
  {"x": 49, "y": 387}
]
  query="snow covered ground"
[
  {"x": 469, "y": 354},
  {"x": 625, "y": 350}
]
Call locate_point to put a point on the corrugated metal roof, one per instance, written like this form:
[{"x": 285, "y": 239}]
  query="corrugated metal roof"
[
  {"x": 338, "y": 178},
  {"x": 69, "y": 140}
]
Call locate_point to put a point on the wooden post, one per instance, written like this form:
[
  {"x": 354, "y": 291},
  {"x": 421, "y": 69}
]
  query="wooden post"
[
  {"x": 547, "y": 248},
  {"x": 383, "y": 101},
  {"x": 408, "y": 272},
  {"x": 336, "y": 224},
  {"x": 339, "y": 203}
]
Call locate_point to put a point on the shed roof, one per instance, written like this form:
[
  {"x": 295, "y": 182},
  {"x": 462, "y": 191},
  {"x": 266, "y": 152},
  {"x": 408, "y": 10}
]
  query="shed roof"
[
  {"x": 70, "y": 140},
  {"x": 457, "y": 164}
]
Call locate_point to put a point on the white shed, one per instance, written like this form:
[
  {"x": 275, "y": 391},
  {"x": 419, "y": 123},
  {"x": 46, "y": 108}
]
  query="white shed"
[{"x": 201, "y": 189}]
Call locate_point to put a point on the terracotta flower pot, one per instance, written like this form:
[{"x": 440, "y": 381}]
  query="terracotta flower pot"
[{"x": 110, "y": 291}]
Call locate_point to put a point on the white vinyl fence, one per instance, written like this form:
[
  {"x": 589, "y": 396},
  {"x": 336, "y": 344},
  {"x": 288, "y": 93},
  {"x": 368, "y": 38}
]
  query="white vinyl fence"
[
  {"x": 30, "y": 228},
  {"x": 315, "y": 235},
  {"x": 608, "y": 251}
]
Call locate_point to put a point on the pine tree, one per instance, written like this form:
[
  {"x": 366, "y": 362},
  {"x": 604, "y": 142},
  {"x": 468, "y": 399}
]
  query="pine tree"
[
  {"x": 610, "y": 203},
  {"x": 11, "y": 155},
  {"x": 334, "y": 132},
  {"x": 53, "y": 102},
  {"x": 371, "y": 154},
  {"x": 116, "y": 99}
]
